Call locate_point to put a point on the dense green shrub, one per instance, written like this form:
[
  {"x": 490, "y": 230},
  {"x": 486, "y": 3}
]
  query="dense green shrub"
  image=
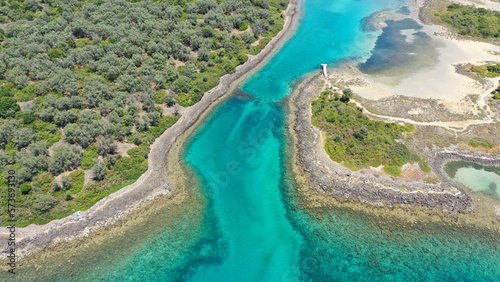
[
  {"x": 8, "y": 107},
  {"x": 66, "y": 182},
  {"x": 490, "y": 71},
  {"x": 25, "y": 188},
  {"x": 55, "y": 186},
  {"x": 494, "y": 68},
  {"x": 68, "y": 196},
  {"x": 357, "y": 141},
  {"x": 6, "y": 92},
  {"x": 65, "y": 158},
  {"x": 242, "y": 58},
  {"x": 473, "y": 143},
  {"x": 98, "y": 170},
  {"x": 484, "y": 144},
  {"x": 27, "y": 118},
  {"x": 133, "y": 167},
  {"x": 44, "y": 202},
  {"x": 424, "y": 166},
  {"x": 496, "y": 93},
  {"x": 477, "y": 22},
  {"x": 78, "y": 179},
  {"x": 393, "y": 170},
  {"x": 487, "y": 145}
]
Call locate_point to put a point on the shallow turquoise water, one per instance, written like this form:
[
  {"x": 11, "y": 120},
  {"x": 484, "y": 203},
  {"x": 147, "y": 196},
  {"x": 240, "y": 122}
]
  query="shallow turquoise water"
[
  {"x": 329, "y": 32},
  {"x": 239, "y": 152},
  {"x": 254, "y": 231},
  {"x": 348, "y": 246}
]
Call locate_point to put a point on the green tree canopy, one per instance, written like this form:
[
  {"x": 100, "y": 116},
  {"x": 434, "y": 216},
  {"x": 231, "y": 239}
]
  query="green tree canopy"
[{"x": 8, "y": 106}]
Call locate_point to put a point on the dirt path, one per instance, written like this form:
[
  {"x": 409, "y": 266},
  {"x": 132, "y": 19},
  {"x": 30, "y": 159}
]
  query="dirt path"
[{"x": 456, "y": 126}]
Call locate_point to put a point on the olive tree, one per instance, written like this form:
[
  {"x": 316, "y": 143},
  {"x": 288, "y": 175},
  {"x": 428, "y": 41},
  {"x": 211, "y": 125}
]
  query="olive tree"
[
  {"x": 65, "y": 158},
  {"x": 23, "y": 137},
  {"x": 44, "y": 202},
  {"x": 98, "y": 170},
  {"x": 105, "y": 145}
]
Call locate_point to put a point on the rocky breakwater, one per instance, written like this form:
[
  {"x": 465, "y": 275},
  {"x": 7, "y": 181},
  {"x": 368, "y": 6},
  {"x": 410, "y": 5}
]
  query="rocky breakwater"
[{"x": 333, "y": 179}]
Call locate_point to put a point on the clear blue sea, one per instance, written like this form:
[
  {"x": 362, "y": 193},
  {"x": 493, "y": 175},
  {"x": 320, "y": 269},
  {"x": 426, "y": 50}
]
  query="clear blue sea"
[{"x": 253, "y": 230}]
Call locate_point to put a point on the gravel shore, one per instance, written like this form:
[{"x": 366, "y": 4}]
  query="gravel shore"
[{"x": 162, "y": 177}]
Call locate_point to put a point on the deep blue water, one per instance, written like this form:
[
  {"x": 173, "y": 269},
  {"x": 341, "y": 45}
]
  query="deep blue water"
[{"x": 253, "y": 230}]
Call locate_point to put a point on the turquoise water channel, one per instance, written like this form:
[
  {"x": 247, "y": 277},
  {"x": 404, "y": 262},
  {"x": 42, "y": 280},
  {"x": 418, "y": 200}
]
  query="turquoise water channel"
[
  {"x": 253, "y": 230},
  {"x": 240, "y": 151},
  {"x": 240, "y": 155}
]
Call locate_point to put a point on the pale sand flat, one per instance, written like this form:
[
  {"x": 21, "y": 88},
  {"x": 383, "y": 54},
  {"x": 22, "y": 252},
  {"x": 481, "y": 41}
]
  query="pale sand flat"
[{"x": 440, "y": 81}]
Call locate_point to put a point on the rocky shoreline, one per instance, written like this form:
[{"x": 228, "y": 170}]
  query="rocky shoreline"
[
  {"x": 162, "y": 177},
  {"x": 324, "y": 175}
]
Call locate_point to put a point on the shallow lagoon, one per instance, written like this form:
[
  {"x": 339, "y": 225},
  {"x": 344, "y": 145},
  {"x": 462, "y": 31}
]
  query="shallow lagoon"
[{"x": 478, "y": 178}]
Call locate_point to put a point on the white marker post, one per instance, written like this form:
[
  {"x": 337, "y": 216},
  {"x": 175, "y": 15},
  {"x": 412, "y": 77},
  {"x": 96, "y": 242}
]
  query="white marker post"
[{"x": 325, "y": 74}]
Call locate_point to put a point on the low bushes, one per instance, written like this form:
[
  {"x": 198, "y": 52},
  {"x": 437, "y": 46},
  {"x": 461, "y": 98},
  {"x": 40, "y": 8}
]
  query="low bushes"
[{"x": 357, "y": 141}]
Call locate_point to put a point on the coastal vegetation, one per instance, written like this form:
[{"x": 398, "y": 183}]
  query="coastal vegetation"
[
  {"x": 496, "y": 93},
  {"x": 471, "y": 21},
  {"x": 84, "y": 85},
  {"x": 484, "y": 144},
  {"x": 357, "y": 141},
  {"x": 490, "y": 70}
]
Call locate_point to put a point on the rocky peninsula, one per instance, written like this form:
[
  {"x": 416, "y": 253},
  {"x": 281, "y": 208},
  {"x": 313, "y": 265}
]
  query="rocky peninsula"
[
  {"x": 435, "y": 119},
  {"x": 335, "y": 180}
]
